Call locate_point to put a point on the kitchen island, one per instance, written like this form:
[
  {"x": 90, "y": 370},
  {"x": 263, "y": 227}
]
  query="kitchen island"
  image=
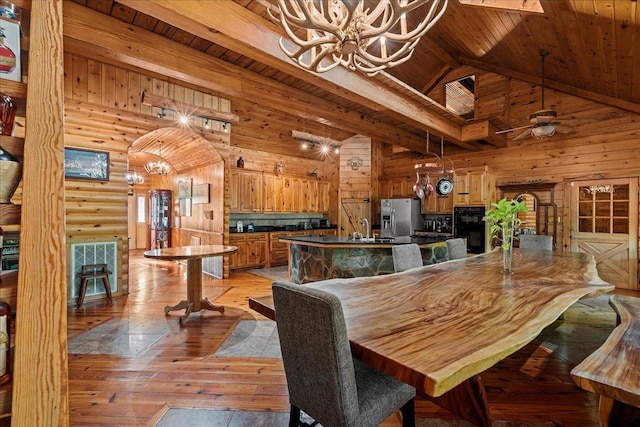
[{"x": 313, "y": 258}]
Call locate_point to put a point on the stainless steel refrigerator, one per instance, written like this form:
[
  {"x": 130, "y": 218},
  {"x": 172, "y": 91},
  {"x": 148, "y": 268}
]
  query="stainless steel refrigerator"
[{"x": 400, "y": 217}]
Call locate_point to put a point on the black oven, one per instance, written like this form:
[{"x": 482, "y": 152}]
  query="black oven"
[{"x": 468, "y": 224}]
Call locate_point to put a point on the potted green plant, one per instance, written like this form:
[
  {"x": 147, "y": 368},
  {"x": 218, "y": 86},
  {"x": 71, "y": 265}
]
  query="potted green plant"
[{"x": 503, "y": 219}]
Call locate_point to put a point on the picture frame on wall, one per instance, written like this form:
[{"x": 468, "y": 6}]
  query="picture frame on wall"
[
  {"x": 184, "y": 207},
  {"x": 184, "y": 188},
  {"x": 86, "y": 164},
  {"x": 200, "y": 194}
]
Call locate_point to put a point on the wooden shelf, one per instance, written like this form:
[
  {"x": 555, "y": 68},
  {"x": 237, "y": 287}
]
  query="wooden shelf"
[{"x": 14, "y": 89}]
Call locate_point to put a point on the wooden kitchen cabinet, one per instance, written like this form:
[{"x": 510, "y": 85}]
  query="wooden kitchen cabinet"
[
  {"x": 475, "y": 187},
  {"x": 278, "y": 251},
  {"x": 434, "y": 204},
  {"x": 254, "y": 191},
  {"x": 252, "y": 250}
]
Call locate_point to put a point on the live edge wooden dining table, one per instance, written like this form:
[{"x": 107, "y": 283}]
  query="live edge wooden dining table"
[
  {"x": 194, "y": 256},
  {"x": 439, "y": 326}
]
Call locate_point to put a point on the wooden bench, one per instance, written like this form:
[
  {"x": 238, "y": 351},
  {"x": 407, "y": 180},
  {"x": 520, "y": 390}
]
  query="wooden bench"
[
  {"x": 613, "y": 370},
  {"x": 94, "y": 271}
]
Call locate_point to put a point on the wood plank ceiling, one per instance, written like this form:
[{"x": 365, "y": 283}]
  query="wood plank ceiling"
[{"x": 594, "y": 50}]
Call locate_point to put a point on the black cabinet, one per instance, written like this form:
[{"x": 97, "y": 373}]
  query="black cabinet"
[{"x": 159, "y": 219}]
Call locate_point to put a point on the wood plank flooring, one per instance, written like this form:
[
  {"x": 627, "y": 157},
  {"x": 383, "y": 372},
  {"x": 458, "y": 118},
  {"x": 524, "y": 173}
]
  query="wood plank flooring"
[{"x": 178, "y": 369}]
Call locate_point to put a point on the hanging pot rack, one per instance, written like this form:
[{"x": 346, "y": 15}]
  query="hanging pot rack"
[{"x": 431, "y": 164}]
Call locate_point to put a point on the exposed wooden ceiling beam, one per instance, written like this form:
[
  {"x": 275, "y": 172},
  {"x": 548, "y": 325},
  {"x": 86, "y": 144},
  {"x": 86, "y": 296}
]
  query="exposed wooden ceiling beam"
[
  {"x": 561, "y": 87},
  {"x": 230, "y": 25},
  {"x": 97, "y": 36}
]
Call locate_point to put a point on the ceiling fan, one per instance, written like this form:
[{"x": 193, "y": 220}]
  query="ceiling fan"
[{"x": 543, "y": 122}]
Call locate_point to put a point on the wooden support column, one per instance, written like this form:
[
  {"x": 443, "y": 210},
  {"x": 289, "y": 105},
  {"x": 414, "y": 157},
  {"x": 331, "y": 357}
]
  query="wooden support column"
[{"x": 40, "y": 389}]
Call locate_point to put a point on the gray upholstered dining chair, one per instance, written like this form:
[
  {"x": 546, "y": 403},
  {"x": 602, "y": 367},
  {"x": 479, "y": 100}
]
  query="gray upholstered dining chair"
[
  {"x": 456, "y": 248},
  {"x": 323, "y": 378},
  {"x": 406, "y": 256},
  {"x": 536, "y": 241}
]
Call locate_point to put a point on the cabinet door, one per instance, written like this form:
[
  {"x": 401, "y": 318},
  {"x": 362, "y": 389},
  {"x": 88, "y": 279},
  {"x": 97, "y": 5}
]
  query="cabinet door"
[
  {"x": 234, "y": 191},
  {"x": 251, "y": 192},
  {"x": 445, "y": 204},
  {"x": 287, "y": 194},
  {"x": 461, "y": 190},
  {"x": 278, "y": 251},
  {"x": 323, "y": 197},
  {"x": 238, "y": 259},
  {"x": 257, "y": 251},
  {"x": 477, "y": 183},
  {"x": 269, "y": 204},
  {"x": 429, "y": 204}
]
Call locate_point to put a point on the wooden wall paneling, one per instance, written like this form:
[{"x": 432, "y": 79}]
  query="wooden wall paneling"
[
  {"x": 108, "y": 86},
  {"x": 94, "y": 86}
]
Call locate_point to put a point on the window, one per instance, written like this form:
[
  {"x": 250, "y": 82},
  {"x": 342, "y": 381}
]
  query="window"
[
  {"x": 460, "y": 97},
  {"x": 604, "y": 209},
  {"x": 141, "y": 210}
]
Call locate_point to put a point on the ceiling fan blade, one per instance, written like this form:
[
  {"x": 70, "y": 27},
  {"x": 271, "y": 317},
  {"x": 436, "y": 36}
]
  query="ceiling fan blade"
[
  {"x": 512, "y": 129},
  {"x": 563, "y": 129},
  {"x": 523, "y": 135}
]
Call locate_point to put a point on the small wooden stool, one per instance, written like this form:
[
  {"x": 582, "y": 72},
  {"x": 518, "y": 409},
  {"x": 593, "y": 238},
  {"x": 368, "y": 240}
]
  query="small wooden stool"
[{"x": 94, "y": 271}]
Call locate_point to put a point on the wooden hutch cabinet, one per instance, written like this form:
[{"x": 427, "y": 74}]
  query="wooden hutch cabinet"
[{"x": 159, "y": 219}]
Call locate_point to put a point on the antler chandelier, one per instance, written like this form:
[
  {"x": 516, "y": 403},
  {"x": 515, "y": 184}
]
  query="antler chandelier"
[
  {"x": 158, "y": 167},
  {"x": 363, "y": 35}
]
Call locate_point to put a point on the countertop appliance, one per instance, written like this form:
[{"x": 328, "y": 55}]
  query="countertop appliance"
[
  {"x": 468, "y": 224},
  {"x": 400, "y": 217}
]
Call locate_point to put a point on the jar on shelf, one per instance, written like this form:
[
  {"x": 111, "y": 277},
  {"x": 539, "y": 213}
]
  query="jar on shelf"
[
  {"x": 240, "y": 162},
  {"x": 7, "y": 114}
]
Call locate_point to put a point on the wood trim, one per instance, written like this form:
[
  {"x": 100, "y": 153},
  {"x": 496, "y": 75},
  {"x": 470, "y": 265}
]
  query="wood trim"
[
  {"x": 40, "y": 389},
  {"x": 208, "y": 113}
]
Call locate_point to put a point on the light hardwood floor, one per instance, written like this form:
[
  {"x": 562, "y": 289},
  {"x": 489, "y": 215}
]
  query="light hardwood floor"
[{"x": 128, "y": 363}]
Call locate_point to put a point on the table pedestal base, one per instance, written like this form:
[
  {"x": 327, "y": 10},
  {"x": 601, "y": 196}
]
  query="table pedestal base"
[
  {"x": 188, "y": 307},
  {"x": 194, "y": 301}
]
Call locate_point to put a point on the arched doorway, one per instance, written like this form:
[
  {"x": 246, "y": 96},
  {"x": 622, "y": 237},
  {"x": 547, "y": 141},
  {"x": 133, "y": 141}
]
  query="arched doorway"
[{"x": 184, "y": 151}]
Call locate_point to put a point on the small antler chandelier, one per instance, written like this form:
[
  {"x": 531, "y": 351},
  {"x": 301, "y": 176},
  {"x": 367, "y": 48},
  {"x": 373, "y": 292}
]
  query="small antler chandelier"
[
  {"x": 367, "y": 36},
  {"x": 158, "y": 167}
]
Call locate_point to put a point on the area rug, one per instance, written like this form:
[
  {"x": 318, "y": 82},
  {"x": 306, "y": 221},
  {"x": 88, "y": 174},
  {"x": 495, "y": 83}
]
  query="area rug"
[
  {"x": 214, "y": 418},
  {"x": 274, "y": 273}
]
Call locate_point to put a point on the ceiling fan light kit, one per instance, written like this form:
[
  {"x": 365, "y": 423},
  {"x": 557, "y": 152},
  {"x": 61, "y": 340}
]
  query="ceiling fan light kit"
[{"x": 364, "y": 36}]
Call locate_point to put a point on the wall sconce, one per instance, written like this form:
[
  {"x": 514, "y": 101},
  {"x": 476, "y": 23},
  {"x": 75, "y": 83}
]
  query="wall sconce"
[{"x": 162, "y": 114}]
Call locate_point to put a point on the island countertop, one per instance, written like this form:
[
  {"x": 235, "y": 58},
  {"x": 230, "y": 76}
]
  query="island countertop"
[
  {"x": 384, "y": 242},
  {"x": 313, "y": 258}
]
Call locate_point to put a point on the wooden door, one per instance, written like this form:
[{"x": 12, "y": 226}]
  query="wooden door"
[
  {"x": 138, "y": 220},
  {"x": 604, "y": 223},
  {"x": 352, "y": 211}
]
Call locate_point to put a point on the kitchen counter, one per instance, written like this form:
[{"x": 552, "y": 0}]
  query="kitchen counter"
[
  {"x": 313, "y": 258},
  {"x": 276, "y": 228}
]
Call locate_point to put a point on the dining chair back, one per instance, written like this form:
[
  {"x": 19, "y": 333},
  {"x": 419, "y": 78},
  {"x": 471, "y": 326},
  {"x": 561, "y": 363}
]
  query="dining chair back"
[
  {"x": 536, "y": 241},
  {"x": 456, "y": 248},
  {"x": 406, "y": 256},
  {"x": 323, "y": 378}
]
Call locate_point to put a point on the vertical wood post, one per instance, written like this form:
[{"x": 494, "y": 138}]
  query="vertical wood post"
[{"x": 40, "y": 393}]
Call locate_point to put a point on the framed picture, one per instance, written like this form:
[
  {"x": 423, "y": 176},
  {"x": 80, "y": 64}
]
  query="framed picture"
[
  {"x": 184, "y": 207},
  {"x": 201, "y": 193},
  {"x": 86, "y": 164},
  {"x": 184, "y": 188}
]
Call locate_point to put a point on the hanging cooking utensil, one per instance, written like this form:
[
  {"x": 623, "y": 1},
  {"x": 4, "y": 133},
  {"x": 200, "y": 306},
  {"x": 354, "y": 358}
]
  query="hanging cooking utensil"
[
  {"x": 444, "y": 186},
  {"x": 418, "y": 188},
  {"x": 428, "y": 187}
]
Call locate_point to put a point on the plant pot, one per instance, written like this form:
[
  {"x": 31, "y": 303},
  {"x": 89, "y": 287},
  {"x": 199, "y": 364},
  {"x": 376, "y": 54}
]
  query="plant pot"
[{"x": 506, "y": 260}]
